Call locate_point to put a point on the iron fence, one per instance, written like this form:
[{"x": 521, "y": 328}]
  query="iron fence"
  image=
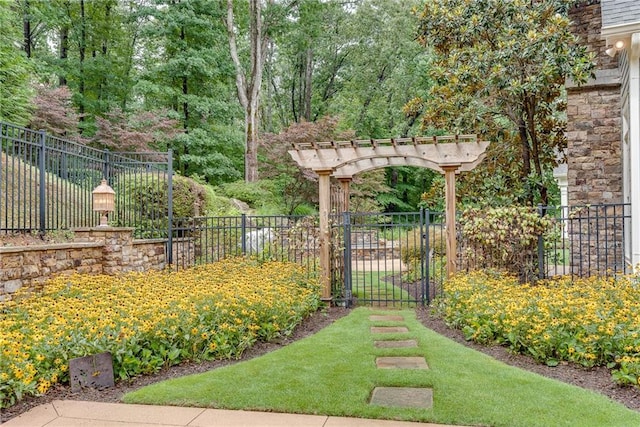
[
  {"x": 46, "y": 184},
  {"x": 583, "y": 241},
  {"x": 266, "y": 237}
]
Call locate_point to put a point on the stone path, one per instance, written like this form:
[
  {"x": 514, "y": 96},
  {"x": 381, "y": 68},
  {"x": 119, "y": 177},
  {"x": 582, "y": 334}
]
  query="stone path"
[{"x": 402, "y": 397}]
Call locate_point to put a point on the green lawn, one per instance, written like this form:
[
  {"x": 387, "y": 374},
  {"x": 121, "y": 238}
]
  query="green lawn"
[
  {"x": 372, "y": 286},
  {"x": 333, "y": 373}
]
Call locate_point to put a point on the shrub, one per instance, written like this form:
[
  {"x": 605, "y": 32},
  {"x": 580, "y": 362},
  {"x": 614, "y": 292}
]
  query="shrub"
[
  {"x": 255, "y": 194},
  {"x": 503, "y": 238},
  {"x": 413, "y": 250},
  {"x": 218, "y": 205},
  {"x": 143, "y": 199}
]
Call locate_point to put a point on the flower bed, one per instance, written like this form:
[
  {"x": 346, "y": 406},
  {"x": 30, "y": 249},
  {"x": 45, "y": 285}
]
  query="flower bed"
[
  {"x": 591, "y": 322},
  {"x": 148, "y": 320}
]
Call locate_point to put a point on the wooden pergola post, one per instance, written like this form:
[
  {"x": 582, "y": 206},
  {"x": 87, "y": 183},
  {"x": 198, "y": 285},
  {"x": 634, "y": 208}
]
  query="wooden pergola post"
[
  {"x": 324, "y": 184},
  {"x": 345, "y": 186},
  {"x": 450, "y": 216}
]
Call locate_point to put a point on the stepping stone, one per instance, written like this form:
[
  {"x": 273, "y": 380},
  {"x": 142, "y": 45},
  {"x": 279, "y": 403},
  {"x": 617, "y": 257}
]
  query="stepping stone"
[
  {"x": 396, "y": 344},
  {"x": 402, "y": 397},
  {"x": 386, "y": 318},
  {"x": 397, "y": 362},
  {"x": 388, "y": 329}
]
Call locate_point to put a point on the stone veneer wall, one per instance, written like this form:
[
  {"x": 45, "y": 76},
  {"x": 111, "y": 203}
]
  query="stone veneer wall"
[
  {"x": 594, "y": 154},
  {"x": 594, "y": 149},
  {"x": 100, "y": 250}
]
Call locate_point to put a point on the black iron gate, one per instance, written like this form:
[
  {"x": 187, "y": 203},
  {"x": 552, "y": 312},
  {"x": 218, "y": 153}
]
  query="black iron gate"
[{"x": 389, "y": 259}]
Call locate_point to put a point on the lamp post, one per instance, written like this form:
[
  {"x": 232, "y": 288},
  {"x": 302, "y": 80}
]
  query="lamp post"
[{"x": 103, "y": 201}]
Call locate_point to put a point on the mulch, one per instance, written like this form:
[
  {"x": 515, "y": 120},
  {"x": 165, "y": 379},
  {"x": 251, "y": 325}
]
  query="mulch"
[{"x": 596, "y": 379}]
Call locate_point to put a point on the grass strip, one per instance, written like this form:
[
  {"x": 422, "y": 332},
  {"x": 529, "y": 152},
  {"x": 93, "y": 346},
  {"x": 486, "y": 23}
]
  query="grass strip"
[{"x": 333, "y": 373}]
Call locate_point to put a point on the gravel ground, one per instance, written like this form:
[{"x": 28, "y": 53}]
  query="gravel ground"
[{"x": 597, "y": 379}]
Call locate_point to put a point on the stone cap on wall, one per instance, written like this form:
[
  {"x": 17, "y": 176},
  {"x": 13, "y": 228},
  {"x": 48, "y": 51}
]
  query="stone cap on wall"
[
  {"x": 603, "y": 78},
  {"x": 49, "y": 246},
  {"x": 107, "y": 228}
]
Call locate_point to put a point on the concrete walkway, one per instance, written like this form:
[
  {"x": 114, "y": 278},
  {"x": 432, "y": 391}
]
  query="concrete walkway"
[{"x": 67, "y": 413}]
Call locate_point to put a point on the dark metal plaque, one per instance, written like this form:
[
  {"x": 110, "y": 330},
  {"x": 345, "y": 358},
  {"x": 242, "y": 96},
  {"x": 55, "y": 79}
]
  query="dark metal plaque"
[{"x": 94, "y": 371}]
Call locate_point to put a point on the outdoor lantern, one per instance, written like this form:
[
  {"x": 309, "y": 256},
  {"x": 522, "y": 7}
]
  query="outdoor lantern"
[{"x": 104, "y": 201}]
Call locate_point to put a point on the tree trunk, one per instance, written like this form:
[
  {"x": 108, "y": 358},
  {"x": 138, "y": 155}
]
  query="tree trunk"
[
  {"x": 64, "y": 47},
  {"x": 82, "y": 51},
  {"x": 249, "y": 89},
  {"x": 308, "y": 73},
  {"x": 26, "y": 27},
  {"x": 535, "y": 151},
  {"x": 185, "y": 91},
  {"x": 526, "y": 154},
  {"x": 251, "y": 152}
]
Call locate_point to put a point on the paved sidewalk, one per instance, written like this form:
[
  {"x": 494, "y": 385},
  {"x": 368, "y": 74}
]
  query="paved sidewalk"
[{"x": 68, "y": 413}]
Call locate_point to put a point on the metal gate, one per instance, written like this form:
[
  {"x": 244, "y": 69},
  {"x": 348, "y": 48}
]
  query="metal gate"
[{"x": 389, "y": 259}]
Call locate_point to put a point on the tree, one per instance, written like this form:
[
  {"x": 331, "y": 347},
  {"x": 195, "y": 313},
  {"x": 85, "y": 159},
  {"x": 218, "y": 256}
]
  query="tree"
[
  {"x": 297, "y": 185},
  {"x": 15, "y": 69},
  {"x": 249, "y": 82},
  {"x": 498, "y": 69},
  {"x": 187, "y": 69},
  {"x": 54, "y": 112}
]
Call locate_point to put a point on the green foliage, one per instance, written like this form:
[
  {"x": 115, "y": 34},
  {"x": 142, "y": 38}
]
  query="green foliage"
[
  {"x": 383, "y": 67},
  {"x": 144, "y": 197},
  {"x": 305, "y": 209},
  {"x": 255, "y": 194},
  {"x": 413, "y": 252},
  {"x": 499, "y": 69},
  {"x": 365, "y": 190},
  {"x": 213, "y": 156},
  {"x": 216, "y": 205},
  {"x": 15, "y": 71},
  {"x": 187, "y": 68},
  {"x": 504, "y": 238}
]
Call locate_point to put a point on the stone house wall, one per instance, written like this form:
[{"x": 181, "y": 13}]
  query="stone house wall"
[
  {"x": 594, "y": 148},
  {"x": 595, "y": 154}
]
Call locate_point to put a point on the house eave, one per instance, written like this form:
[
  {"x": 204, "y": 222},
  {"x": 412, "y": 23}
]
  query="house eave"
[{"x": 614, "y": 33}]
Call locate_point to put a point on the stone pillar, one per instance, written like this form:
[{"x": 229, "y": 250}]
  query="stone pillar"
[{"x": 118, "y": 246}]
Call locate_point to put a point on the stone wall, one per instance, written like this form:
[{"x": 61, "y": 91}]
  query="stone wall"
[
  {"x": 31, "y": 266},
  {"x": 99, "y": 250},
  {"x": 121, "y": 253},
  {"x": 594, "y": 147},
  {"x": 594, "y": 152},
  {"x": 586, "y": 20}
]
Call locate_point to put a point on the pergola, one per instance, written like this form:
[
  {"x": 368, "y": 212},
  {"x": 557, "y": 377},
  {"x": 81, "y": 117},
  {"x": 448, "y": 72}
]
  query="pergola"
[{"x": 344, "y": 159}]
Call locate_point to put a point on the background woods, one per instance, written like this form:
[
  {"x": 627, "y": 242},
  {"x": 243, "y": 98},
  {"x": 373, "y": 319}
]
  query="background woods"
[{"x": 225, "y": 84}]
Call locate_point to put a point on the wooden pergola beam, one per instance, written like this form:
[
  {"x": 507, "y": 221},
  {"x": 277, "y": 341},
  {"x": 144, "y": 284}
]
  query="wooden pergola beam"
[{"x": 359, "y": 157}]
